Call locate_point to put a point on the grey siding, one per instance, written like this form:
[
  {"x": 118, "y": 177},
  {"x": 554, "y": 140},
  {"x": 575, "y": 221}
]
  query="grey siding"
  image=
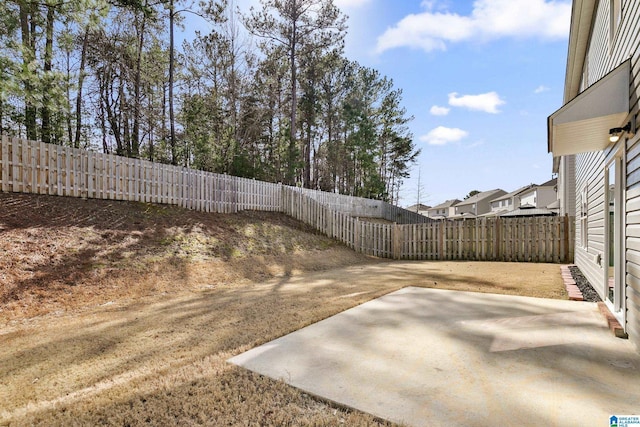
[
  {"x": 632, "y": 234},
  {"x": 567, "y": 185},
  {"x": 590, "y": 177},
  {"x": 604, "y": 54}
]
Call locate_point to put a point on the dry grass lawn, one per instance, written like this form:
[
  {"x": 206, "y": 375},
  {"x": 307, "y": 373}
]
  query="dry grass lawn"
[{"x": 153, "y": 349}]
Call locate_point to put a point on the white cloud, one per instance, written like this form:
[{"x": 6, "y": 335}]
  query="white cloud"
[
  {"x": 443, "y": 136},
  {"x": 439, "y": 111},
  {"x": 428, "y": 4},
  {"x": 490, "y": 19},
  {"x": 487, "y": 102},
  {"x": 540, "y": 89},
  {"x": 350, "y": 4}
]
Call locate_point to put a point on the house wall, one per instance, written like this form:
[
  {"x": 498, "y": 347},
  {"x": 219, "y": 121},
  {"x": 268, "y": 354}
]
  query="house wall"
[
  {"x": 501, "y": 205},
  {"x": 438, "y": 212},
  {"x": 484, "y": 206},
  {"x": 603, "y": 55},
  {"x": 462, "y": 209},
  {"x": 528, "y": 198},
  {"x": 590, "y": 184},
  {"x": 632, "y": 238},
  {"x": 545, "y": 196},
  {"x": 567, "y": 185}
]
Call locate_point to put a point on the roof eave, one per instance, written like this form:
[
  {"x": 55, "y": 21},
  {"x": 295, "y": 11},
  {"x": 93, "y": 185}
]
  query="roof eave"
[{"x": 582, "y": 15}]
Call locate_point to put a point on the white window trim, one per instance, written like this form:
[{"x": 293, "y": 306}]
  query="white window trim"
[{"x": 584, "y": 218}]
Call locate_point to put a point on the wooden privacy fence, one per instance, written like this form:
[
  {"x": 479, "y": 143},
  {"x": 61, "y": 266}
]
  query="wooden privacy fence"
[
  {"x": 361, "y": 207},
  {"x": 35, "y": 167},
  {"x": 535, "y": 239}
]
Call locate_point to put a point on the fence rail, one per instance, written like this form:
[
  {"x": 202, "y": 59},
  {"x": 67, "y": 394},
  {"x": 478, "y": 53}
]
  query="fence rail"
[{"x": 35, "y": 167}]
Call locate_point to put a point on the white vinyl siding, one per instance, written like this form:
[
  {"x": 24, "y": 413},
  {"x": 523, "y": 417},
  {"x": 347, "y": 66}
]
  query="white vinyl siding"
[
  {"x": 632, "y": 234},
  {"x": 590, "y": 184},
  {"x": 566, "y": 186},
  {"x": 608, "y": 49},
  {"x": 584, "y": 219},
  {"x": 529, "y": 198},
  {"x": 615, "y": 16}
]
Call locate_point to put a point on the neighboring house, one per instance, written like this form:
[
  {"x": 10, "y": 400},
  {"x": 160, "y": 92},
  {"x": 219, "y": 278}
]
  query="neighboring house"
[
  {"x": 539, "y": 196},
  {"x": 443, "y": 210},
  {"x": 537, "y": 200},
  {"x": 530, "y": 200},
  {"x": 597, "y": 151},
  {"x": 507, "y": 202},
  {"x": 420, "y": 209},
  {"x": 476, "y": 205}
]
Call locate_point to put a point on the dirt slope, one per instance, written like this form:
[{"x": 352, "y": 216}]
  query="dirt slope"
[{"x": 59, "y": 254}]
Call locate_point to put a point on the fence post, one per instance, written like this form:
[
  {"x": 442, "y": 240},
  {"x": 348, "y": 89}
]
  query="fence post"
[{"x": 496, "y": 243}]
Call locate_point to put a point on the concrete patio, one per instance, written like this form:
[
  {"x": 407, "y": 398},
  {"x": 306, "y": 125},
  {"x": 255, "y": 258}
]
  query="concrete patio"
[{"x": 429, "y": 357}]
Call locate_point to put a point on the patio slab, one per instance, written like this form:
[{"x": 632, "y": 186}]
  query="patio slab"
[{"x": 429, "y": 357}]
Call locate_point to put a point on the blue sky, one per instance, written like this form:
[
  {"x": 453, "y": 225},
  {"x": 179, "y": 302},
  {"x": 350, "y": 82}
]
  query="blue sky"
[{"x": 480, "y": 77}]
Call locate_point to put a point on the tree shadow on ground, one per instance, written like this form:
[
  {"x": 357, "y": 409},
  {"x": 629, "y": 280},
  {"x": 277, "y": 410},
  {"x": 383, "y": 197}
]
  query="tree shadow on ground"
[
  {"x": 58, "y": 247},
  {"x": 167, "y": 361}
]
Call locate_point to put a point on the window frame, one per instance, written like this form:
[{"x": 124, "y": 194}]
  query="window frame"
[{"x": 584, "y": 218}]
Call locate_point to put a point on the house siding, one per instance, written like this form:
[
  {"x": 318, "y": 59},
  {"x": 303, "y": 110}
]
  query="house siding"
[
  {"x": 632, "y": 235},
  {"x": 603, "y": 55},
  {"x": 545, "y": 196},
  {"x": 590, "y": 177},
  {"x": 596, "y": 61},
  {"x": 529, "y": 199},
  {"x": 567, "y": 186}
]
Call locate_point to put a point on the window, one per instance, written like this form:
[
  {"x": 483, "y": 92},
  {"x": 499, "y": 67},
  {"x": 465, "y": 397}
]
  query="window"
[{"x": 584, "y": 219}]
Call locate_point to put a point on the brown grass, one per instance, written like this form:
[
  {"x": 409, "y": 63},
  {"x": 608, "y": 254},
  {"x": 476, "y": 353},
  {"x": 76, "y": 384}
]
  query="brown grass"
[{"x": 143, "y": 338}]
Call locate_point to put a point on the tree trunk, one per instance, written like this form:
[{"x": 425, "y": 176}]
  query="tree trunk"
[
  {"x": 124, "y": 114},
  {"x": 48, "y": 67},
  {"x": 307, "y": 151},
  {"x": 81, "y": 73},
  {"x": 135, "y": 135},
  {"x": 172, "y": 136},
  {"x": 28, "y": 55},
  {"x": 151, "y": 124},
  {"x": 294, "y": 102},
  {"x": 68, "y": 87},
  {"x": 112, "y": 119}
]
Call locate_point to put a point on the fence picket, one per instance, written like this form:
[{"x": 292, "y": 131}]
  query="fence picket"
[{"x": 36, "y": 167}]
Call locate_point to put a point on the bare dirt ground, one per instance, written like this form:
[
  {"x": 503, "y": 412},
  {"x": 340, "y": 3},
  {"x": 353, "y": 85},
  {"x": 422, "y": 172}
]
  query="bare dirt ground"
[
  {"x": 124, "y": 314},
  {"x": 59, "y": 254}
]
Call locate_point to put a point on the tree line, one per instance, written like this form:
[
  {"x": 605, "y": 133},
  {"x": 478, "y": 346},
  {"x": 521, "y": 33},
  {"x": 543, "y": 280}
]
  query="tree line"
[{"x": 267, "y": 93}]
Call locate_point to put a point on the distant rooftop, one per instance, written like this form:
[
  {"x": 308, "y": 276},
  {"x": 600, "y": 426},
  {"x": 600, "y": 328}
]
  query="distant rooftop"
[
  {"x": 447, "y": 204},
  {"x": 480, "y": 196}
]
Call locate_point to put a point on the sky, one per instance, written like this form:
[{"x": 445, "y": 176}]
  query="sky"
[{"x": 480, "y": 79}]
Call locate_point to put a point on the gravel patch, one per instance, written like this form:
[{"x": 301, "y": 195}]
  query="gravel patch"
[{"x": 588, "y": 293}]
